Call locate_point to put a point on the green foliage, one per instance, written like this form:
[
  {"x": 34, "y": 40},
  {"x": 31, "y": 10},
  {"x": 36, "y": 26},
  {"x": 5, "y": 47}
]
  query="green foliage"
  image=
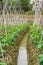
[
  {"x": 12, "y": 34},
  {"x": 39, "y": 46},
  {"x": 40, "y": 59},
  {"x": 25, "y": 4},
  {"x": 12, "y": 4},
  {"x": 2, "y": 63},
  {"x": 36, "y": 35}
]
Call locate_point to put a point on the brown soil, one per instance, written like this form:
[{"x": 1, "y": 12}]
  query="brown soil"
[{"x": 33, "y": 53}]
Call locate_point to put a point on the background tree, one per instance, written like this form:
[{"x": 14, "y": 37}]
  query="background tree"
[{"x": 25, "y": 4}]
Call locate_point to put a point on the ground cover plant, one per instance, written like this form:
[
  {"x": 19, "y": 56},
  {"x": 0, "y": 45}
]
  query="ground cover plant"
[
  {"x": 9, "y": 39},
  {"x": 36, "y": 37},
  {"x": 12, "y": 33}
]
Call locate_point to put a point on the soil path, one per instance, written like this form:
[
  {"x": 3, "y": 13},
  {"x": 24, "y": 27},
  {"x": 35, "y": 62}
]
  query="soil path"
[{"x": 22, "y": 56}]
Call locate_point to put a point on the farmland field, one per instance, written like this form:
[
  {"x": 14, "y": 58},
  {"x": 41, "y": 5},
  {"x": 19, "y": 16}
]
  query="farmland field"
[{"x": 21, "y": 32}]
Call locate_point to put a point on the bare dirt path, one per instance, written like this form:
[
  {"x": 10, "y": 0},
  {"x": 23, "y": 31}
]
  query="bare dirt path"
[{"x": 22, "y": 56}]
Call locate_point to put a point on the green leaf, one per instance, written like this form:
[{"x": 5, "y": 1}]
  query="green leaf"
[
  {"x": 39, "y": 46},
  {"x": 2, "y": 63},
  {"x": 40, "y": 57}
]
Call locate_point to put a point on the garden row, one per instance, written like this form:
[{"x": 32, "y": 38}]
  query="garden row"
[
  {"x": 10, "y": 42},
  {"x": 36, "y": 38}
]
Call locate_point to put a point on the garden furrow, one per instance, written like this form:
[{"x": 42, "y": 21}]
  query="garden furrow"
[{"x": 22, "y": 55}]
